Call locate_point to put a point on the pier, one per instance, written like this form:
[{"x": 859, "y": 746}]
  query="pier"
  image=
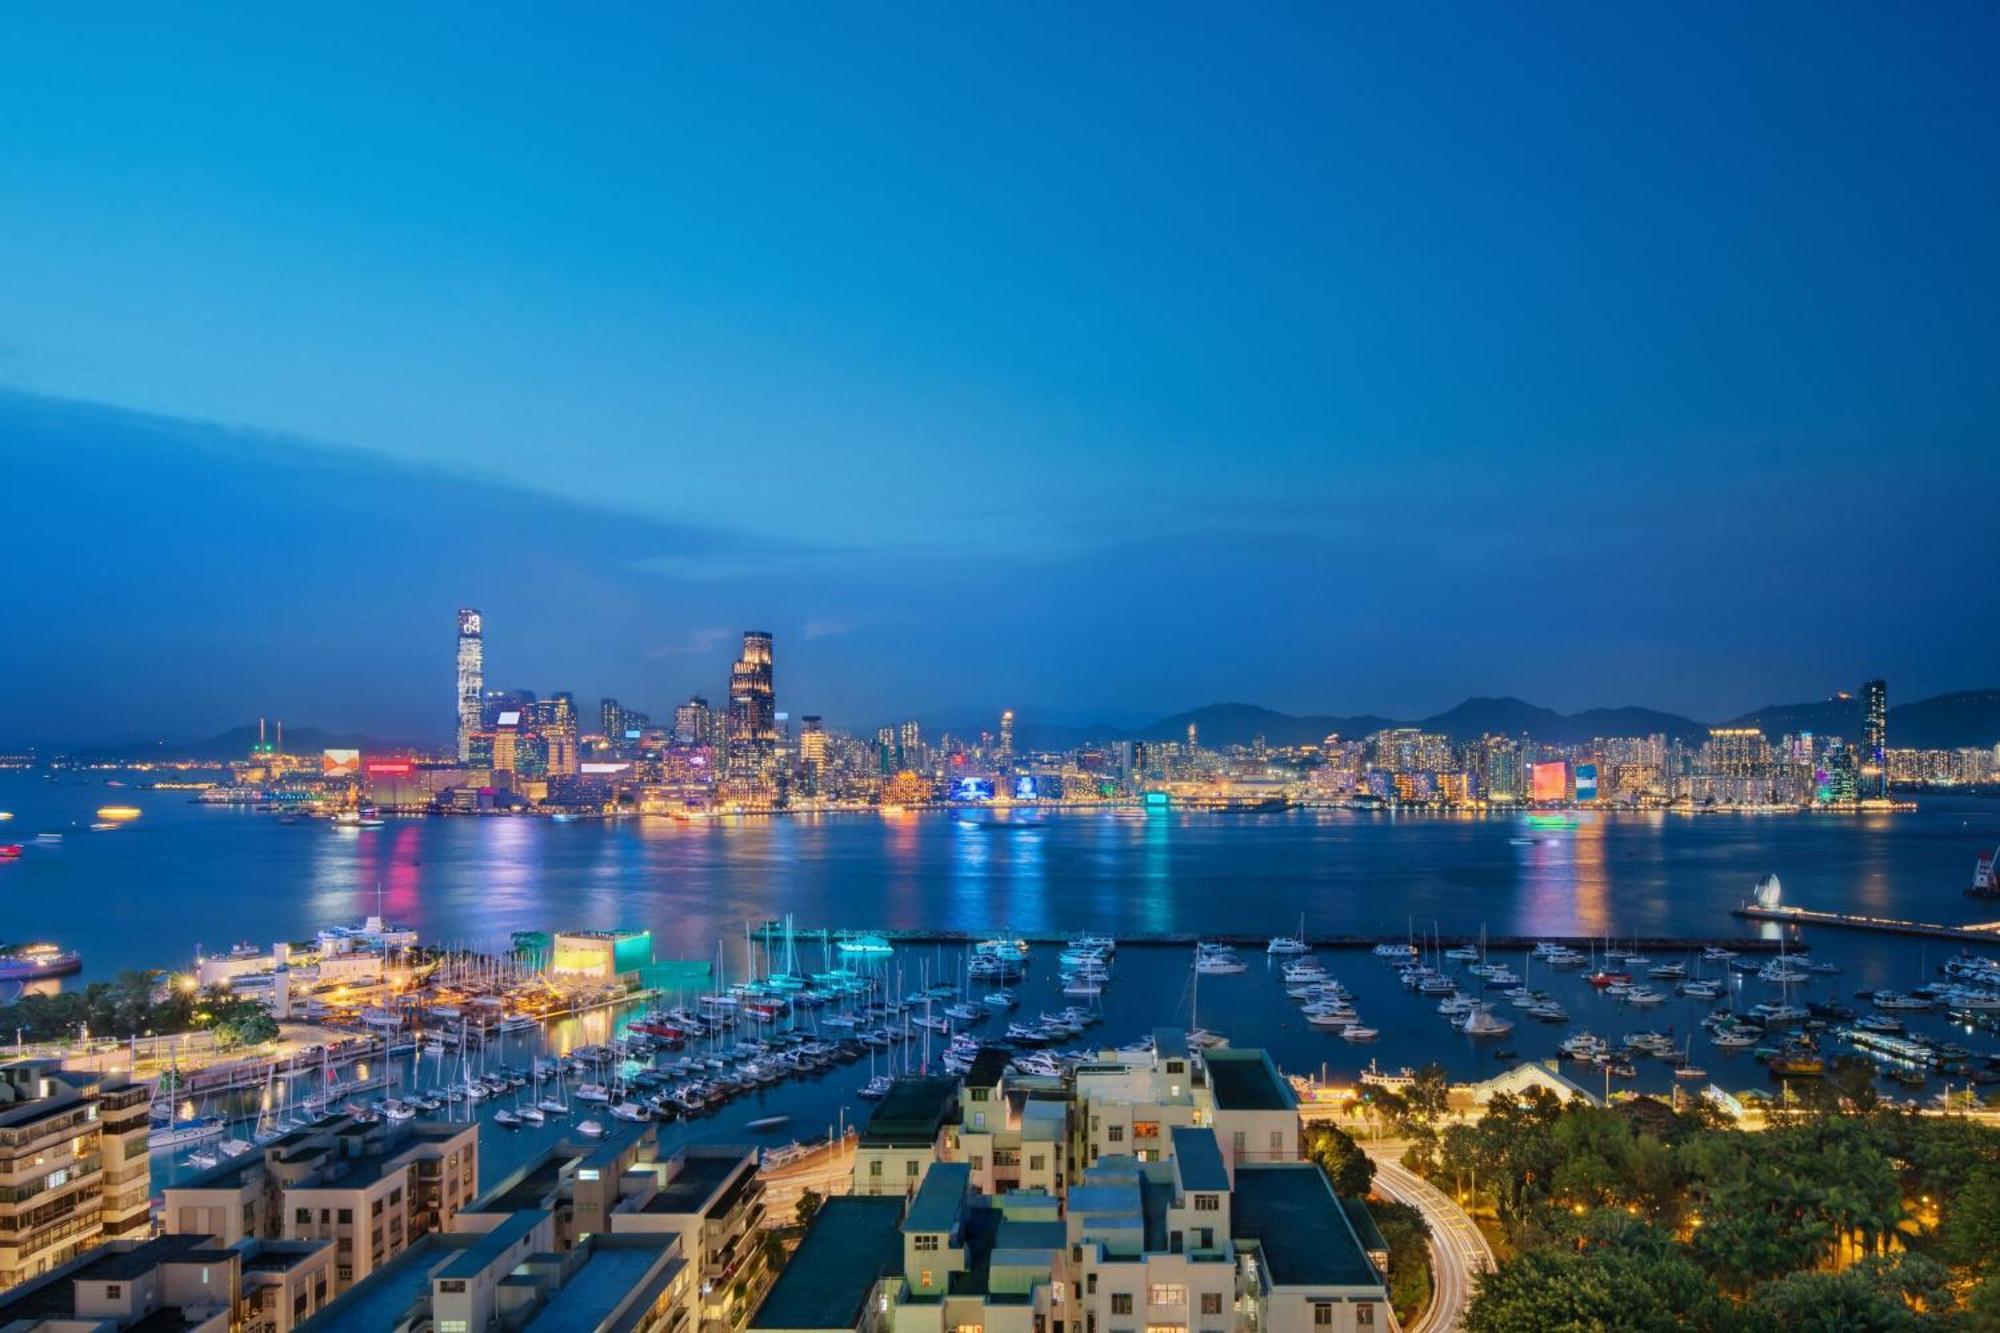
[{"x": 1983, "y": 932}]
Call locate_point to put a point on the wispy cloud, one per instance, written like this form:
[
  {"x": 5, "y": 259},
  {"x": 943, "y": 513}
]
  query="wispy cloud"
[
  {"x": 697, "y": 642},
  {"x": 817, "y": 628}
]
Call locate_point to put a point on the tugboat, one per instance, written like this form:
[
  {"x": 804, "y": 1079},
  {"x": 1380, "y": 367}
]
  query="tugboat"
[{"x": 1985, "y": 880}]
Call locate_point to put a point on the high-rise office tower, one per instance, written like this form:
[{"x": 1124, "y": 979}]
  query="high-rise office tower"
[
  {"x": 909, "y": 746},
  {"x": 559, "y": 729},
  {"x": 694, "y": 722},
  {"x": 812, "y": 755},
  {"x": 753, "y": 711},
  {"x": 1875, "y": 740},
  {"x": 1006, "y": 735},
  {"x": 471, "y": 677},
  {"x": 611, "y": 720}
]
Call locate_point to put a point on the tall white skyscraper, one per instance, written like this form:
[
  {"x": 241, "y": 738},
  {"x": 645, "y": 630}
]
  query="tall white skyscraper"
[{"x": 471, "y": 677}]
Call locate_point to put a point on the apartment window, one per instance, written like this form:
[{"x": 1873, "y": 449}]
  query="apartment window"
[
  {"x": 375, "y": 1208},
  {"x": 1167, "y": 1293},
  {"x": 927, "y": 1241},
  {"x": 1115, "y": 1134},
  {"x": 303, "y": 1216},
  {"x": 1277, "y": 1142},
  {"x": 1176, "y": 1066},
  {"x": 1236, "y": 1142},
  {"x": 1037, "y": 1161},
  {"x": 1145, "y": 1129},
  {"x": 396, "y": 1194},
  {"x": 1166, "y": 1328},
  {"x": 451, "y": 1326},
  {"x": 1090, "y": 1284},
  {"x": 113, "y": 1292},
  {"x": 1211, "y": 1302},
  {"x": 971, "y": 1328},
  {"x": 910, "y": 1168},
  {"x": 1207, "y": 1203},
  {"x": 325, "y": 1216},
  {"x": 978, "y": 1122},
  {"x": 924, "y": 1278},
  {"x": 1364, "y": 1316},
  {"x": 978, "y": 1095},
  {"x": 1121, "y": 1302},
  {"x": 347, "y": 1217},
  {"x": 875, "y": 1167},
  {"x": 1322, "y": 1314}
]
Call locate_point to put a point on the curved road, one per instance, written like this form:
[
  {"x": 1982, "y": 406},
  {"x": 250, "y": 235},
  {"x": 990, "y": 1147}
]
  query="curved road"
[{"x": 1458, "y": 1251}]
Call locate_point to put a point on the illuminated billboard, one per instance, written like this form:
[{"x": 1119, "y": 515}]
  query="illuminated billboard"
[
  {"x": 510, "y": 718},
  {"x": 972, "y": 789},
  {"x": 339, "y": 763},
  {"x": 1550, "y": 782},
  {"x": 1024, "y": 788},
  {"x": 601, "y": 770},
  {"x": 1586, "y": 782},
  {"x": 390, "y": 768}
]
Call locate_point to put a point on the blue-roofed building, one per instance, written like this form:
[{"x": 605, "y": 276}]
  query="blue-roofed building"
[
  {"x": 1306, "y": 1269},
  {"x": 1256, "y": 1113},
  {"x": 512, "y": 1276},
  {"x": 905, "y": 1133}
]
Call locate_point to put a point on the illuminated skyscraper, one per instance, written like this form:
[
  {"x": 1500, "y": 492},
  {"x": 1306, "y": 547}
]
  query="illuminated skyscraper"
[
  {"x": 812, "y": 755},
  {"x": 753, "y": 711},
  {"x": 1006, "y": 735},
  {"x": 1874, "y": 740},
  {"x": 471, "y": 677}
]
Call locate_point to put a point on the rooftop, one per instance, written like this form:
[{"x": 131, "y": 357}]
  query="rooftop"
[
  {"x": 912, "y": 1114},
  {"x": 493, "y": 1245},
  {"x": 381, "y": 1299},
  {"x": 854, "y": 1240},
  {"x": 940, "y": 1198},
  {"x": 1247, "y": 1081},
  {"x": 54, "y": 1295},
  {"x": 1199, "y": 1158},
  {"x": 987, "y": 1067},
  {"x": 617, "y": 1267},
  {"x": 1291, "y": 1212},
  {"x": 698, "y": 1174}
]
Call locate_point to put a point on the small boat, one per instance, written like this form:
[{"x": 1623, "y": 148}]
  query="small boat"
[
  {"x": 506, "y": 1119},
  {"x": 1289, "y": 945},
  {"x": 877, "y": 1087},
  {"x": 1483, "y": 1022},
  {"x": 1356, "y": 1032},
  {"x": 590, "y": 1127},
  {"x": 10, "y": 851}
]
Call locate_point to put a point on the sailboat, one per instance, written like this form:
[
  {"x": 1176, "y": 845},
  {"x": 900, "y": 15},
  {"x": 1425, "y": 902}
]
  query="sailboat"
[{"x": 1284, "y": 945}]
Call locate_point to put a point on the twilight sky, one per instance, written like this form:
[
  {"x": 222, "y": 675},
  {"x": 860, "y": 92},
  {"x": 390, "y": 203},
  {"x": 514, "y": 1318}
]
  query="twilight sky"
[{"x": 1101, "y": 361}]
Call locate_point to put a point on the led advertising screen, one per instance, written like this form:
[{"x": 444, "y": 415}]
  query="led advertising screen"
[
  {"x": 972, "y": 789},
  {"x": 1025, "y": 789},
  {"x": 339, "y": 763},
  {"x": 1550, "y": 782},
  {"x": 1586, "y": 782}
]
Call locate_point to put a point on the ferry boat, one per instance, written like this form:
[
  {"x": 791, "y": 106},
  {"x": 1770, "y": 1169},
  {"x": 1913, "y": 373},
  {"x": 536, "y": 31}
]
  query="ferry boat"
[
  {"x": 30, "y": 962},
  {"x": 10, "y": 851},
  {"x": 1399, "y": 1081},
  {"x": 864, "y": 945}
]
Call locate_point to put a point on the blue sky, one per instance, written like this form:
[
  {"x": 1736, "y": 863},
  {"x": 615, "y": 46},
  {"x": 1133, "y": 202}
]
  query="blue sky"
[{"x": 1103, "y": 361}]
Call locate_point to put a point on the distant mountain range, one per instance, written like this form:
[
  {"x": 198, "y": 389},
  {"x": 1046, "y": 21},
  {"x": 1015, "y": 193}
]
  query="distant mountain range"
[
  {"x": 236, "y": 743},
  {"x": 1970, "y": 717}
]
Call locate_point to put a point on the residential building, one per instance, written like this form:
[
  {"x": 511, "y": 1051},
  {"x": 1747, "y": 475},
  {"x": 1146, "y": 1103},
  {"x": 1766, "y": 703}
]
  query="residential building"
[
  {"x": 908, "y": 1131},
  {"x": 73, "y": 1165},
  {"x": 371, "y": 1189}
]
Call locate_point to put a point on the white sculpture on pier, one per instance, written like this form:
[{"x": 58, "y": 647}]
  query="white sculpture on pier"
[{"x": 1767, "y": 891}]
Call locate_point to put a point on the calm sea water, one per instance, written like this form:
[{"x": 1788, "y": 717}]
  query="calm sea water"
[{"x": 183, "y": 874}]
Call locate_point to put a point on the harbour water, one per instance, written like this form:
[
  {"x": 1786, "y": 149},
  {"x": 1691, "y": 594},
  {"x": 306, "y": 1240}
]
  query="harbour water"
[{"x": 183, "y": 874}]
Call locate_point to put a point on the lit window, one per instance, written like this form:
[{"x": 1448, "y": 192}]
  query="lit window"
[
  {"x": 1207, "y": 1203},
  {"x": 1167, "y": 1293},
  {"x": 1322, "y": 1314}
]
